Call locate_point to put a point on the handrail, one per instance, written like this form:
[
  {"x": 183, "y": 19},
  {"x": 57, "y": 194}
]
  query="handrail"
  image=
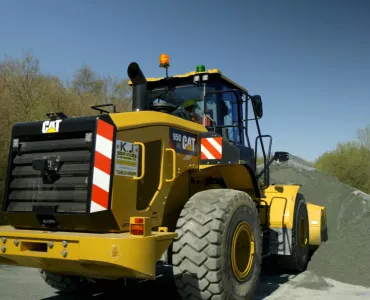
[{"x": 142, "y": 161}]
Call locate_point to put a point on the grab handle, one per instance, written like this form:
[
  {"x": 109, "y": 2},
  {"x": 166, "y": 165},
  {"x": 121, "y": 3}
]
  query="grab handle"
[
  {"x": 142, "y": 161},
  {"x": 173, "y": 165}
]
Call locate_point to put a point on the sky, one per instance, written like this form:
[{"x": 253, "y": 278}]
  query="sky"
[{"x": 309, "y": 60}]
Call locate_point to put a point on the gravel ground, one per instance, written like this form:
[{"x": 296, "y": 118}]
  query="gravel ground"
[
  {"x": 346, "y": 255},
  {"x": 308, "y": 286},
  {"x": 18, "y": 283}
]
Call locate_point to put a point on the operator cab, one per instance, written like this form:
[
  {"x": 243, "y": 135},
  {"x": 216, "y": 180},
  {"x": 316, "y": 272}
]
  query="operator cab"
[{"x": 208, "y": 98}]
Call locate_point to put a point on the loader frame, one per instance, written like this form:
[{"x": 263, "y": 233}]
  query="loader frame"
[{"x": 130, "y": 246}]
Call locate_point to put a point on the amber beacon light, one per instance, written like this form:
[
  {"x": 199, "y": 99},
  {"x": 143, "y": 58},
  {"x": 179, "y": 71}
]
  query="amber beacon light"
[{"x": 164, "y": 61}]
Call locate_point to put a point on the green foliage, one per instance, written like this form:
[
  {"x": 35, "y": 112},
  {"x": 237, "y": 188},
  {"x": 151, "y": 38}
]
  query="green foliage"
[
  {"x": 260, "y": 160},
  {"x": 349, "y": 162},
  {"x": 27, "y": 95}
]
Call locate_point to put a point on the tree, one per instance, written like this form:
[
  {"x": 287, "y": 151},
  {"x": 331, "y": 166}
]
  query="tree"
[
  {"x": 89, "y": 89},
  {"x": 350, "y": 161},
  {"x": 21, "y": 81},
  {"x": 363, "y": 136}
]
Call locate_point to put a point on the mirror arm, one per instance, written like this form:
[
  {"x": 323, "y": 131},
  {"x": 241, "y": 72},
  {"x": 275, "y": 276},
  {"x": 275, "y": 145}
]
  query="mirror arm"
[
  {"x": 265, "y": 168},
  {"x": 275, "y": 157}
]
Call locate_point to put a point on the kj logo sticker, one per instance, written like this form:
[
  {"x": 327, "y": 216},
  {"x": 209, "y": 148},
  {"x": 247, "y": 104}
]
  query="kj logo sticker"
[
  {"x": 184, "y": 142},
  {"x": 51, "y": 126},
  {"x": 127, "y": 159}
]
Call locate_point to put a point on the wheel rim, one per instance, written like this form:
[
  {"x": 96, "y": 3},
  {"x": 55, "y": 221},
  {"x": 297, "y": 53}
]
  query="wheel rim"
[
  {"x": 302, "y": 232},
  {"x": 242, "y": 251}
]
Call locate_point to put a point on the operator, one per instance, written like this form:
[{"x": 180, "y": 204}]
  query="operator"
[{"x": 190, "y": 105}]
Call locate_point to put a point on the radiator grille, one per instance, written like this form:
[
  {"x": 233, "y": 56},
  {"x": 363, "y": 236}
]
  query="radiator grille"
[{"x": 65, "y": 190}]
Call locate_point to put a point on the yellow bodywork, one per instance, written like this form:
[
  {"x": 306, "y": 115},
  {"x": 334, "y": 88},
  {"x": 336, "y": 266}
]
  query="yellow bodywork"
[
  {"x": 318, "y": 227},
  {"x": 280, "y": 201},
  {"x": 162, "y": 190},
  {"x": 109, "y": 256},
  {"x": 166, "y": 178}
]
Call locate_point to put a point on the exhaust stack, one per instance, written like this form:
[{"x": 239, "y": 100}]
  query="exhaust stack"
[{"x": 139, "y": 86}]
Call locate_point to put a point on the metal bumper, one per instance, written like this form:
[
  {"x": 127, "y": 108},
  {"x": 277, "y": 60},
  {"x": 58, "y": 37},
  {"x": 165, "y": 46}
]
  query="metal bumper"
[{"x": 107, "y": 256}]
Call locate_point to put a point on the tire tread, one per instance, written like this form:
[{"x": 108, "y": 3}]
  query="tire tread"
[{"x": 197, "y": 249}]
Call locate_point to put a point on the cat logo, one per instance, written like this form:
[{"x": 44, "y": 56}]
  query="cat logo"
[
  {"x": 188, "y": 143},
  {"x": 51, "y": 126},
  {"x": 183, "y": 142}
]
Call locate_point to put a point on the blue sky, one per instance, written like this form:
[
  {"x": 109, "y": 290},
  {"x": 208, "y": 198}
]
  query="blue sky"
[{"x": 309, "y": 60}]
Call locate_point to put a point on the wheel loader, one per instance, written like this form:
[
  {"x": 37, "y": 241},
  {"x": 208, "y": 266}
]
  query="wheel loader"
[{"x": 112, "y": 195}]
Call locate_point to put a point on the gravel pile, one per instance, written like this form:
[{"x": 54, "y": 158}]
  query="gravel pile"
[{"x": 346, "y": 255}]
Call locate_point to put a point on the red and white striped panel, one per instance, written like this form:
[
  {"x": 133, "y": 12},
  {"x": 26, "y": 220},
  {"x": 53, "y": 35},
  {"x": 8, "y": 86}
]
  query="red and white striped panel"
[
  {"x": 102, "y": 167},
  {"x": 211, "y": 148}
]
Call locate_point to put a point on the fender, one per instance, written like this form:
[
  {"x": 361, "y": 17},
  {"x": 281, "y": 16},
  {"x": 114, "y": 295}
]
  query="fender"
[
  {"x": 238, "y": 176},
  {"x": 318, "y": 225},
  {"x": 281, "y": 200}
]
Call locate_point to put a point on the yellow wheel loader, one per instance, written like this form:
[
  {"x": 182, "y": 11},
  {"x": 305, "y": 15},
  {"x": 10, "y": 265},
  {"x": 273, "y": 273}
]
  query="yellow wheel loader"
[{"x": 112, "y": 195}]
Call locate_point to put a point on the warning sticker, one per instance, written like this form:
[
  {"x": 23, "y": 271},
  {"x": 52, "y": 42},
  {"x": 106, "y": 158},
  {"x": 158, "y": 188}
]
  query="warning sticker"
[{"x": 127, "y": 159}]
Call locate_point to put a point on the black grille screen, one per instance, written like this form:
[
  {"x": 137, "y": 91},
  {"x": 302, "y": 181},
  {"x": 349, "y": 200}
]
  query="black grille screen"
[{"x": 50, "y": 170}]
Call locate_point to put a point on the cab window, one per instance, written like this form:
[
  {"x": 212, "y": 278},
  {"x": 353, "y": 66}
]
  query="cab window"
[
  {"x": 186, "y": 99},
  {"x": 223, "y": 109},
  {"x": 232, "y": 116}
]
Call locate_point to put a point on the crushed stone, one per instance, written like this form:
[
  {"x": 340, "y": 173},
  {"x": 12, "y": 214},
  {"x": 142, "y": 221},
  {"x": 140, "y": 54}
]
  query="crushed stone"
[{"x": 345, "y": 256}]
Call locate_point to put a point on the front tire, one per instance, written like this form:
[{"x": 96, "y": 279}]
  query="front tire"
[
  {"x": 217, "y": 254},
  {"x": 298, "y": 260}
]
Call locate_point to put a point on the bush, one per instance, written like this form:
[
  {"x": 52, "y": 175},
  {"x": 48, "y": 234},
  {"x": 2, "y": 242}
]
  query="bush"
[{"x": 349, "y": 162}]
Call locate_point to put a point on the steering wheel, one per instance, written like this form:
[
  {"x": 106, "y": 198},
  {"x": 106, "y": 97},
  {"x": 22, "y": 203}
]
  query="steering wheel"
[{"x": 163, "y": 107}]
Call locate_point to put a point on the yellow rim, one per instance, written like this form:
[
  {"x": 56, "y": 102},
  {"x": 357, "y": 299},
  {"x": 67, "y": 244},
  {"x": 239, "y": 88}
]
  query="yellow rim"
[
  {"x": 302, "y": 232},
  {"x": 242, "y": 251}
]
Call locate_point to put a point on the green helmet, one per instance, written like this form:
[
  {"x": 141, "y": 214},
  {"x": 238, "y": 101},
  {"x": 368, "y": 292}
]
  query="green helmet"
[{"x": 190, "y": 102}]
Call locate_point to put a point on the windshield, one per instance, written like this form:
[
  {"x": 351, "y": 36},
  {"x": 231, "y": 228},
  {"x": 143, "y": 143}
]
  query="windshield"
[{"x": 187, "y": 100}]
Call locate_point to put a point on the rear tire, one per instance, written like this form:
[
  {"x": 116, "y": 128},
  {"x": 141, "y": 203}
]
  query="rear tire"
[
  {"x": 202, "y": 256},
  {"x": 66, "y": 283},
  {"x": 298, "y": 260}
]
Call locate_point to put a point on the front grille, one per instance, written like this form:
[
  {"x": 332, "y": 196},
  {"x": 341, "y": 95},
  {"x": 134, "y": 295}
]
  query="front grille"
[{"x": 62, "y": 191}]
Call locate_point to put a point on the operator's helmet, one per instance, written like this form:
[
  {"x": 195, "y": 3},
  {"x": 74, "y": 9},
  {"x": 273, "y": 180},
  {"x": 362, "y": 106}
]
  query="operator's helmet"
[{"x": 190, "y": 102}]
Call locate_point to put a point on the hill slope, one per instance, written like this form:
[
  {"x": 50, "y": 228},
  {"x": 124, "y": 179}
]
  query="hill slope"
[{"x": 346, "y": 256}]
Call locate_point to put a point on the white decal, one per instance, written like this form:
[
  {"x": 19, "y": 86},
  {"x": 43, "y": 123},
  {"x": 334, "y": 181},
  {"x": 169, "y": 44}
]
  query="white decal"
[
  {"x": 127, "y": 159},
  {"x": 188, "y": 143},
  {"x": 50, "y": 126}
]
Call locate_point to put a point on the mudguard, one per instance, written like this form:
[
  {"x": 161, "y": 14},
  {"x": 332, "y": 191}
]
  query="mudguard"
[
  {"x": 318, "y": 225},
  {"x": 280, "y": 199}
]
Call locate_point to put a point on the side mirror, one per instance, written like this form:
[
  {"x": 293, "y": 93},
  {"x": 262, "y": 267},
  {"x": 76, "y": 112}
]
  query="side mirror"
[
  {"x": 281, "y": 156},
  {"x": 257, "y": 106}
]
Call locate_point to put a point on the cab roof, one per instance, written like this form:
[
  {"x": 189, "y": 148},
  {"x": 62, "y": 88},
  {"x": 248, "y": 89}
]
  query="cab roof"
[{"x": 215, "y": 74}]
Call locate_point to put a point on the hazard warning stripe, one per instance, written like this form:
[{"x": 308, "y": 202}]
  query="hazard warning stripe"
[
  {"x": 102, "y": 167},
  {"x": 211, "y": 148}
]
